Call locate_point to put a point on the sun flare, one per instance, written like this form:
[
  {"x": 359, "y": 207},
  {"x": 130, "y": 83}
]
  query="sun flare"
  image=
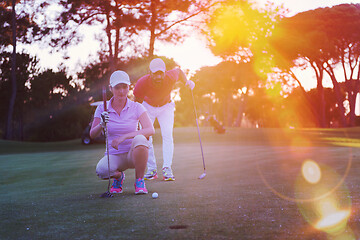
[
  {"x": 333, "y": 219},
  {"x": 311, "y": 171}
]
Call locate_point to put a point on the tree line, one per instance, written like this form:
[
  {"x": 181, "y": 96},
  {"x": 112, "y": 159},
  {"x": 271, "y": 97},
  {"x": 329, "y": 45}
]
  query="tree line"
[{"x": 255, "y": 83}]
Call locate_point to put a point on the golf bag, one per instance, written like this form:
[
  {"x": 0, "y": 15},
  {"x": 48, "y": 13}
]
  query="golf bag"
[{"x": 218, "y": 127}]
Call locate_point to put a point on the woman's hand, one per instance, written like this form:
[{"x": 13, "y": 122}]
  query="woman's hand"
[{"x": 115, "y": 143}]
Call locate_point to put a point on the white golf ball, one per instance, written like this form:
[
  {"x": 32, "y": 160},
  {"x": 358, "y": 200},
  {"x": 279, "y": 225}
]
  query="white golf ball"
[{"x": 155, "y": 195}]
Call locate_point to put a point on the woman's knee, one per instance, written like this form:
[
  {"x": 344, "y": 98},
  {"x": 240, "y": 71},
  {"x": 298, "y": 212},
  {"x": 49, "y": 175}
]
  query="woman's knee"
[
  {"x": 140, "y": 140},
  {"x": 140, "y": 150},
  {"x": 102, "y": 171}
]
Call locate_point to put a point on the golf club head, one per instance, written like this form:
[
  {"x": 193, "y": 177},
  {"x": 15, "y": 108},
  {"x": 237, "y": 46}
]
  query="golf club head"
[
  {"x": 202, "y": 175},
  {"x": 106, "y": 195}
]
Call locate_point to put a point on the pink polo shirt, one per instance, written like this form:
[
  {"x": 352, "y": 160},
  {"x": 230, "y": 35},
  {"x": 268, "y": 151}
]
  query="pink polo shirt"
[{"x": 121, "y": 124}]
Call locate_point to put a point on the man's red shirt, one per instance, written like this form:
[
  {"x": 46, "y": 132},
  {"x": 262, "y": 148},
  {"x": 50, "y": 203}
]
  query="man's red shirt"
[{"x": 153, "y": 95}]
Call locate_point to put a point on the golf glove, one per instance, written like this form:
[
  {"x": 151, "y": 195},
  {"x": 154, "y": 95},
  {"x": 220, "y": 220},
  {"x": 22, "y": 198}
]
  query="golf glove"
[
  {"x": 104, "y": 119},
  {"x": 190, "y": 83}
]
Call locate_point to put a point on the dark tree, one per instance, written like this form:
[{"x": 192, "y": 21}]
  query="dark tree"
[
  {"x": 126, "y": 23},
  {"x": 325, "y": 39},
  {"x": 15, "y": 27}
]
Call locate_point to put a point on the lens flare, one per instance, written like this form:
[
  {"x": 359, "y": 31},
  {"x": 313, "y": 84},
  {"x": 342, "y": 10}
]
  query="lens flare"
[
  {"x": 332, "y": 220},
  {"x": 311, "y": 171},
  {"x": 330, "y": 209},
  {"x": 329, "y": 183},
  {"x": 320, "y": 192}
]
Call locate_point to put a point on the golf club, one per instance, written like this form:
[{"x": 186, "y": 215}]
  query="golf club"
[
  {"x": 197, "y": 124},
  {"x": 108, "y": 193}
]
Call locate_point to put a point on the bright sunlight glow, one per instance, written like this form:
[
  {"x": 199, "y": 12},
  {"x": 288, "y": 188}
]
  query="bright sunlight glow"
[
  {"x": 311, "y": 171},
  {"x": 333, "y": 219}
]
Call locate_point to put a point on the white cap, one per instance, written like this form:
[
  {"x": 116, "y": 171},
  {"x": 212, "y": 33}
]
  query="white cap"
[
  {"x": 157, "y": 64},
  {"x": 119, "y": 77}
]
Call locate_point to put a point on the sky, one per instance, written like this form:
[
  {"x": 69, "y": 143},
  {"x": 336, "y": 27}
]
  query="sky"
[{"x": 191, "y": 55}]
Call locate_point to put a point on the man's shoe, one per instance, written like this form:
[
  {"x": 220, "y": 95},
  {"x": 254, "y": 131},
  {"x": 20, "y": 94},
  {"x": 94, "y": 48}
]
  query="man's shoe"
[
  {"x": 168, "y": 174},
  {"x": 117, "y": 184},
  {"x": 140, "y": 187},
  {"x": 150, "y": 175}
]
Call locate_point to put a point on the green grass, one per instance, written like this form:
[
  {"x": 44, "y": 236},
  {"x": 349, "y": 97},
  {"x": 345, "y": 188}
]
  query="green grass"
[{"x": 50, "y": 190}]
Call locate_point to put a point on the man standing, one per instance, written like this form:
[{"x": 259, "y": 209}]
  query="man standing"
[{"x": 154, "y": 90}]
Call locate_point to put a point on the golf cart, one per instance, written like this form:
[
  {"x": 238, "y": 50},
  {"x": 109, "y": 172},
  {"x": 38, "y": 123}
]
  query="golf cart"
[{"x": 85, "y": 136}]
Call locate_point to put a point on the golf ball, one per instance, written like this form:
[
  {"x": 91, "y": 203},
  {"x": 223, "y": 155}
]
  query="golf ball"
[{"x": 155, "y": 195}]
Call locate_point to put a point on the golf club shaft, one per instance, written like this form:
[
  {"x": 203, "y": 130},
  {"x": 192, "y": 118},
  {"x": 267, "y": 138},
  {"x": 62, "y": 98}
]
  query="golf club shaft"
[
  {"x": 106, "y": 135},
  {"x": 198, "y": 129}
]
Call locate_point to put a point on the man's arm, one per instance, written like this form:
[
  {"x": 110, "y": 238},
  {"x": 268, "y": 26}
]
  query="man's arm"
[
  {"x": 183, "y": 78},
  {"x": 139, "y": 93}
]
